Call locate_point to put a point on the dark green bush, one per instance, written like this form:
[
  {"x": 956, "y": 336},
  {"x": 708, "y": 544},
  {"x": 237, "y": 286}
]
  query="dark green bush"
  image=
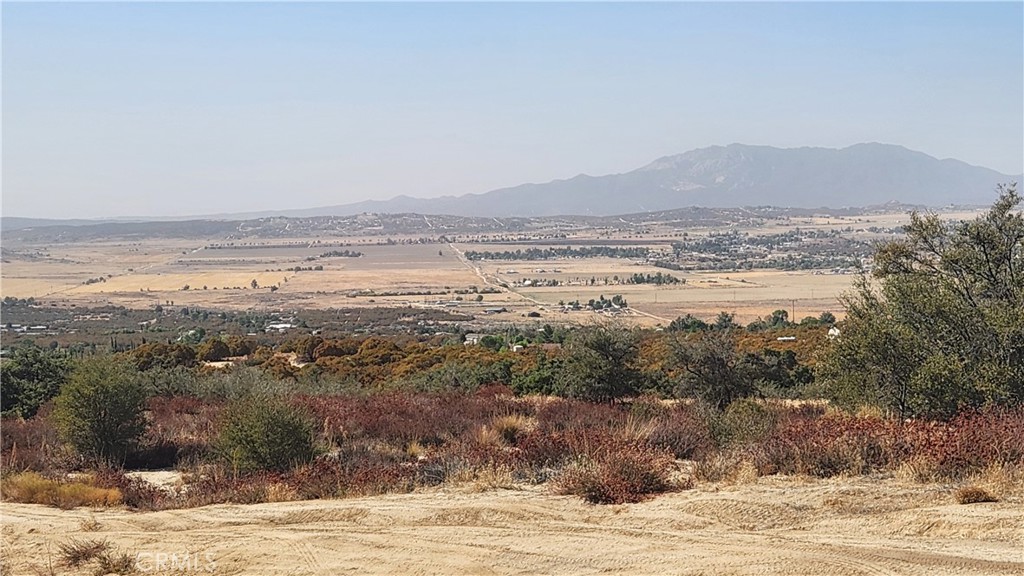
[
  {"x": 30, "y": 378},
  {"x": 99, "y": 411},
  {"x": 265, "y": 434},
  {"x": 745, "y": 421}
]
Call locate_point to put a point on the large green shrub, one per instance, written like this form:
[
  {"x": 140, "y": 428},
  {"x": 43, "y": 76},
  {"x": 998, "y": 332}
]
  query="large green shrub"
[
  {"x": 30, "y": 378},
  {"x": 941, "y": 326},
  {"x": 265, "y": 434},
  {"x": 100, "y": 409}
]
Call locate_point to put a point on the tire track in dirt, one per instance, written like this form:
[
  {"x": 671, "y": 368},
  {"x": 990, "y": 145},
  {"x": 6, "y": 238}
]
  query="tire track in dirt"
[{"x": 772, "y": 527}]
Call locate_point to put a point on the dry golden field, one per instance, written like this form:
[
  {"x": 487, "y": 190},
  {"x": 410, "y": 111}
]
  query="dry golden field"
[
  {"x": 143, "y": 273},
  {"x": 150, "y": 272}
]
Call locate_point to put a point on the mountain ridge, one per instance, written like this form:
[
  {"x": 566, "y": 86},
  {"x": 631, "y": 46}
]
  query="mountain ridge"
[
  {"x": 728, "y": 176},
  {"x": 733, "y": 175}
]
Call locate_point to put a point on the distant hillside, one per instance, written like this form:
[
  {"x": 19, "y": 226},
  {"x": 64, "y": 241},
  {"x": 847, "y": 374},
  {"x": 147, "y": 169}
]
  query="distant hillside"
[
  {"x": 726, "y": 176},
  {"x": 16, "y": 223}
]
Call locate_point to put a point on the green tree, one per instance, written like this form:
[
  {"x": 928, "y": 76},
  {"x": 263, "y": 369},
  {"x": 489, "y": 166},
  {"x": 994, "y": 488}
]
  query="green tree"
[
  {"x": 600, "y": 364},
  {"x": 30, "y": 378},
  {"x": 156, "y": 355},
  {"x": 213, "y": 350},
  {"x": 688, "y": 323},
  {"x": 779, "y": 319},
  {"x": 941, "y": 325},
  {"x": 99, "y": 411},
  {"x": 492, "y": 342},
  {"x": 725, "y": 321},
  {"x": 711, "y": 370}
]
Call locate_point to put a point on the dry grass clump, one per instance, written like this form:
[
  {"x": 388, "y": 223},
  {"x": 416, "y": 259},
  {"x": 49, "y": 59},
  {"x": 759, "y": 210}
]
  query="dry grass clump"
[
  {"x": 973, "y": 495},
  {"x": 483, "y": 479},
  {"x": 115, "y": 563},
  {"x": 281, "y": 492},
  {"x": 74, "y": 553},
  {"x": 32, "y": 488},
  {"x": 918, "y": 470},
  {"x": 78, "y": 553},
  {"x": 728, "y": 467},
  {"x": 637, "y": 428},
  {"x": 511, "y": 427},
  {"x": 1000, "y": 478},
  {"x": 416, "y": 450}
]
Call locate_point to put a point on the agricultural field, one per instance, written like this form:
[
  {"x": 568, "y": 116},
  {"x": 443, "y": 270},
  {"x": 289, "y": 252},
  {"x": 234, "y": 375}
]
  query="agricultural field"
[{"x": 749, "y": 264}]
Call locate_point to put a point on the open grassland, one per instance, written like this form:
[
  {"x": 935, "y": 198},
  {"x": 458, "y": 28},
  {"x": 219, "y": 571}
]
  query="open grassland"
[{"x": 147, "y": 274}]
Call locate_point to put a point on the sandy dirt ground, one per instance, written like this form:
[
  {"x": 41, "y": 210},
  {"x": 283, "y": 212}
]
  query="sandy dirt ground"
[{"x": 773, "y": 526}]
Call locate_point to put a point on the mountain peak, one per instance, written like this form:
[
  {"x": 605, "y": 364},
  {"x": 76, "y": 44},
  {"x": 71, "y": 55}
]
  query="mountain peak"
[{"x": 737, "y": 174}]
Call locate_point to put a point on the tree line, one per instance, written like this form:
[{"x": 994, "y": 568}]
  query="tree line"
[{"x": 557, "y": 253}]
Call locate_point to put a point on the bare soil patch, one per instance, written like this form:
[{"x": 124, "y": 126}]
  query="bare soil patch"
[{"x": 775, "y": 525}]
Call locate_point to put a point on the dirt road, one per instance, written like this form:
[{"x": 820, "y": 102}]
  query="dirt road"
[{"x": 773, "y": 526}]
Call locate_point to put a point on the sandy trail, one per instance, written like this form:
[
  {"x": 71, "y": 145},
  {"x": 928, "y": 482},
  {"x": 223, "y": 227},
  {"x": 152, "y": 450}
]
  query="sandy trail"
[{"x": 775, "y": 526}]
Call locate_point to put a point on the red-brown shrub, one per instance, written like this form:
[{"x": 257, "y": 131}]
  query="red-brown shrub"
[
  {"x": 617, "y": 475},
  {"x": 557, "y": 415},
  {"x": 841, "y": 443},
  {"x": 683, "y": 432},
  {"x": 223, "y": 488},
  {"x": 34, "y": 445},
  {"x": 830, "y": 445},
  {"x": 180, "y": 430},
  {"x": 971, "y": 441}
]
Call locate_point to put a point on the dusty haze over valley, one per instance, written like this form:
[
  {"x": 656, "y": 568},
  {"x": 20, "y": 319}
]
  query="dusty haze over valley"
[{"x": 512, "y": 288}]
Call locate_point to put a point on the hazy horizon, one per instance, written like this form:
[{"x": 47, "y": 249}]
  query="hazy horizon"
[{"x": 118, "y": 110}]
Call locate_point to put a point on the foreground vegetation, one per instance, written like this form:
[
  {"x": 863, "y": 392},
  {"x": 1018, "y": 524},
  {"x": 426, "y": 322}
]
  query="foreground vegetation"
[
  {"x": 925, "y": 380},
  {"x": 398, "y": 441}
]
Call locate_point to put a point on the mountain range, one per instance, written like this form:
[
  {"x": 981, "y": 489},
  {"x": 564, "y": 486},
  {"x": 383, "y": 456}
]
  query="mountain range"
[
  {"x": 717, "y": 176},
  {"x": 725, "y": 176}
]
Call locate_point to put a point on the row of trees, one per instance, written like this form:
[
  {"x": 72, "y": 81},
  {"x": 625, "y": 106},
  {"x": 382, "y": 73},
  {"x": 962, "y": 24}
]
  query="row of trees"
[{"x": 559, "y": 253}]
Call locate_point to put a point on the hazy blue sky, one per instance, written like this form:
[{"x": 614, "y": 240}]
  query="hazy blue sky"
[{"x": 195, "y": 108}]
